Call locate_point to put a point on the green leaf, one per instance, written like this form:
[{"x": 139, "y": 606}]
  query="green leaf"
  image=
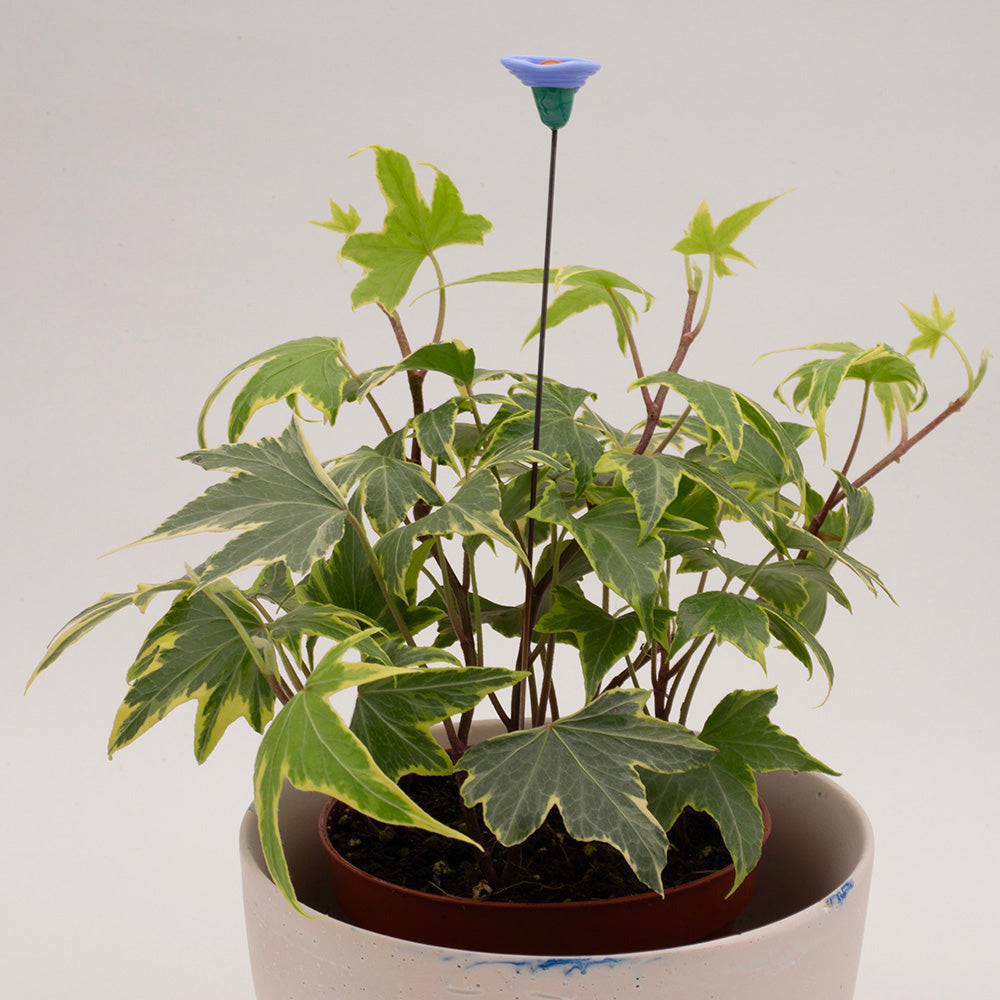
[
  {"x": 324, "y": 620},
  {"x": 726, "y": 789},
  {"x": 729, "y": 617},
  {"x": 612, "y": 540},
  {"x": 563, "y": 436},
  {"x": 99, "y": 611},
  {"x": 347, "y": 581},
  {"x": 198, "y": 652},
  {"x": 740, "y": 723},
  {"x": 393, "y": 716},
  {"x": 309, "y": 745},
  {"x": 800, "y": 640},
  {"x": 280, "y": 496},
  {"x": 704, "y": 237},
  {"x": 797, "y": 537},
  {"x": 435, "y": 431},
  {"x": 717, "y": 485},
  {"x": 602, "y": 638},
  {"x": 859, "y": 510},
  {"x": 312, "y": 367},
  {"x": 717, "y": 405},
  {"x": 389, "y": 486},
  {"x": 471, "y": 511},
  {"x": 584, "y": 765},
  {"x": 584, "y": 287},
  {"x": 451, "y": 357},
  {"x": 931, "y": 328},
  {"x": 817, "y": 382},
  {"x": 341, "y": 221},
  {"x": 411, "y": 232},
  {"x": 651, "y": 480}
]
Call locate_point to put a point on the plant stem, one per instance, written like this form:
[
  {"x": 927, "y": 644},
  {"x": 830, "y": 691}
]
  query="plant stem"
[
  {"x": 699, "y": 670},
  {"x": 439, "y": 328},
  {"x": 686, "y": 340},
  {"x": 893, "y": 456}
]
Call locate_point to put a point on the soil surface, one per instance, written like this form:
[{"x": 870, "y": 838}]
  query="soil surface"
[{"x": 549, "y": 867}]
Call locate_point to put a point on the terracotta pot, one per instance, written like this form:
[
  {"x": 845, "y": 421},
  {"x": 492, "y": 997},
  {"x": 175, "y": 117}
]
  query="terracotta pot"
[
  {"x": 689, "y": 913},
  {"x": 799, "y": 937}
]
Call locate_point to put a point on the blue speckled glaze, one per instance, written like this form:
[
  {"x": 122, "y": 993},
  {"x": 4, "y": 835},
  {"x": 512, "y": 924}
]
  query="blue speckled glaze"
[
  {"x": 838, "y": 898},
  {"x": 567, "y": 966}
]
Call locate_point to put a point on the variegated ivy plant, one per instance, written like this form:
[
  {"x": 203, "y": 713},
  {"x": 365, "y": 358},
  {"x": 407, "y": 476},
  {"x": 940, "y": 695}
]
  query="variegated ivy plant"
[{"x": 375, "y": 565}]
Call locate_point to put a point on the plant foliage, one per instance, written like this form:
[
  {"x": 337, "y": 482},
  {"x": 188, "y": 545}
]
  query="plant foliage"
[{"x": 386, "y": 569}]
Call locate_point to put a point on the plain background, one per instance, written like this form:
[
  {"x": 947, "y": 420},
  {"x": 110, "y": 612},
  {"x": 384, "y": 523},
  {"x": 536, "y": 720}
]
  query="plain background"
[{"x": 160, "y": 164}]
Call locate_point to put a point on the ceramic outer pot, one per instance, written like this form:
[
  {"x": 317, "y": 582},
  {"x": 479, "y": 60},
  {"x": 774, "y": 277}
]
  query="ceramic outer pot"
[
  {"x": 800, "y": 937},
  {"x": 689, "y": 913}
]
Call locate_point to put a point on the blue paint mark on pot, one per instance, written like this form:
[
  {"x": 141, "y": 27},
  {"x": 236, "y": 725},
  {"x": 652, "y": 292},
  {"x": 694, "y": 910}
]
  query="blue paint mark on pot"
[
  {"x": 837, "y": 899},
  {"x": 565, "y": 965}
]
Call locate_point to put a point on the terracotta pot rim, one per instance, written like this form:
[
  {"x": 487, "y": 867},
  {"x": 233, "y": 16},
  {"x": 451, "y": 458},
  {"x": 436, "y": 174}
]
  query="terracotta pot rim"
[{"x": 498, "y": 905}]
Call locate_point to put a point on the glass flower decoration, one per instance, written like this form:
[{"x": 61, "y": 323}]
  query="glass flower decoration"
[{"x": 553, "y": 81}]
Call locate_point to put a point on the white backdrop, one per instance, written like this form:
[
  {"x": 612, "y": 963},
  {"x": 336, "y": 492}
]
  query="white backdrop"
[{"x": 160, "y": 164}]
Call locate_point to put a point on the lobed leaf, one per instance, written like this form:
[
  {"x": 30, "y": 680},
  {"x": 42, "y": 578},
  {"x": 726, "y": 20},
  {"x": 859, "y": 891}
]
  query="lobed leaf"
[
  {"x": 198, "y": 652},
  {"x": 309, "y": 745},
  {"x": 279, "y": 496},
  {"x": 393, "y": 715},
  {"x": 99, "y": 611},
  {"x": 585, "y": 765},
  {"x": 411, "y": 231},
  {"x": 603, "y": 639}
]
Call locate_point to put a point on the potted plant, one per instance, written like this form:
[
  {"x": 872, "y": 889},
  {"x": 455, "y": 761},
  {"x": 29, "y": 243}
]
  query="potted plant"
[{"x": 502, "y": 551}]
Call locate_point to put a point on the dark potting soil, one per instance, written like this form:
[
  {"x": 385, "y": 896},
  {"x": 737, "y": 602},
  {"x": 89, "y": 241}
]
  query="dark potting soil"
[{"x": 549, "y": 867}]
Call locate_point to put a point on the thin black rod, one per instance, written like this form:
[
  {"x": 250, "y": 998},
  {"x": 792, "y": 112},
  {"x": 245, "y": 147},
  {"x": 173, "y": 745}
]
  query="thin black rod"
[{"x": 529, "y": 609}]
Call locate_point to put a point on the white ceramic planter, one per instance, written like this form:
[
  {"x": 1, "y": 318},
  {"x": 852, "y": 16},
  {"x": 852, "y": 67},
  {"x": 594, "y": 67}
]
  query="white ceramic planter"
[{"x": 800, "y": 937}]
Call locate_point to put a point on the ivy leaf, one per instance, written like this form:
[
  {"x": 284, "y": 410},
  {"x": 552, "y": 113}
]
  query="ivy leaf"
[
  {"x": 651, "y": 480},
  {"x": 287, "y": 505},
  {"x": 583, "y": 287},
  {"x": 612, "y": 540},
  {"x": 450, "y": 357},
  {"x": 435, "y": 431},
  {"x": 411, "y": 231},
  {"x": 346, "y": 580},
  {"x": 473, "y": 510},
  {"x": 718, "y": 486},
  {"x": 389, "y": 486},
  {"x": 197, "y": 652},
  {"x": 817, "y": 382},
  {"x": 717, "y": 405},
  {"x": 797, "y": 537},
  {"x": 729, "y": 617},
  {"x": 585, "y": 765},
  {"x": 702, "y": 236},
  {"x": 859, "y": 510},
  {"x": 931, "y": 328},
  {"x": 741, "y": 724},
  {"x": 601, "y": 638},
  {"x": 313, "y": 368},
  {"x": 724, "y": 788},
  {"x": 309, "y": 745},
  {"x": 393, "y": 716},
  {"x": 799, "y": 640},
  {"x": 341, "y": 221},
  {"x": 99, "y": 611}
]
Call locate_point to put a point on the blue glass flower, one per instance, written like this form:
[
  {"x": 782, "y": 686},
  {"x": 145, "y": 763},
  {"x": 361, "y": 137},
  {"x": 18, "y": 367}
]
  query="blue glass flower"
[
  {"x": 550, "y": 71},
  {"x": 553, "y": 83}
]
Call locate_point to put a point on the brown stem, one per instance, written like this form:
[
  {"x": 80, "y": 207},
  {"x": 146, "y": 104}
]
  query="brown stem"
[
  {"x": 654, "y": 410},
  {"x": 893, "y": 456}
]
